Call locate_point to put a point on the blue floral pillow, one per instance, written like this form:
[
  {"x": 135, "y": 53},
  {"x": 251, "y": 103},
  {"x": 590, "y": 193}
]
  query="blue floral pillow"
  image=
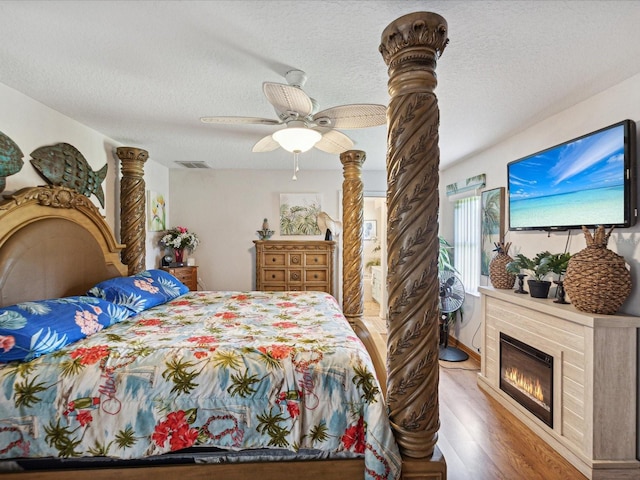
[
  {"x": 31, "y": 329},
  {"x": 141, "y": 291}
]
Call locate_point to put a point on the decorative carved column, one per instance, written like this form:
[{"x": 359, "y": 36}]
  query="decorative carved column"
[
  {"x": 353, "y": 271},
  {"x": 410, "y": 47},
  {"x": 352, "y": 220},
  {"x": 132, "y": 207}
]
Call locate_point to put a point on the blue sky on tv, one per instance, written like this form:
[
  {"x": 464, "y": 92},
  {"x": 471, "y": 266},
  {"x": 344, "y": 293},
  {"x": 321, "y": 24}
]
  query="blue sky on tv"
[{"x": 594, "y": 161}]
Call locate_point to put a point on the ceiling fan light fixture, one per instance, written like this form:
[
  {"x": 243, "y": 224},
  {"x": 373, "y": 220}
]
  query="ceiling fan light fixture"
[{"x": 295, "y": 139}]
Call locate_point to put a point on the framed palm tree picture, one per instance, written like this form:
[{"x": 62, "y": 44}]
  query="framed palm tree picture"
[
  {"x": 492, "y": 224},
  {"x": 299, "y": 213}
]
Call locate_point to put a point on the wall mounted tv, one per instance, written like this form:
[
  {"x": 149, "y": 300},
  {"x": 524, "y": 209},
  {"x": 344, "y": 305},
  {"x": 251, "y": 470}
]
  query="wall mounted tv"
[{"x": 590, "y": 181}]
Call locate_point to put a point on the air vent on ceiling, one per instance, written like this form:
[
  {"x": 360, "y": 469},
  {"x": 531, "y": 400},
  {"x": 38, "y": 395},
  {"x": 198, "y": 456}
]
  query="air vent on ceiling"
[{"x": 194, "y": 164}]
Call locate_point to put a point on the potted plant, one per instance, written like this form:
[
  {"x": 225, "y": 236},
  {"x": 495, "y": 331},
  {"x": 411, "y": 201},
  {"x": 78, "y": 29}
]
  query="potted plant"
[
  {"x": 558, "y": 263},
  {"x": 538, "y": 267}
]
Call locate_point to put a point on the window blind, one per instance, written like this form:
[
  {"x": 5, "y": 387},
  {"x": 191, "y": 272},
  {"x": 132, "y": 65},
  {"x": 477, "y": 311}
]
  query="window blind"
[{"x": 466, "y": 242}]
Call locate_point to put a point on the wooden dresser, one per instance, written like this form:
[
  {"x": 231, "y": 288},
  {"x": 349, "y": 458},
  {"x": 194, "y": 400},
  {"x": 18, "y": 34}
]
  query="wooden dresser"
[
  {"x": 187, "y": 275},
  {"x": 285, "y": 265}
]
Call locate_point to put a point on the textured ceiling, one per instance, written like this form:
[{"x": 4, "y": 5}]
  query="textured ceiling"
[{"x": 144, "y": 72}]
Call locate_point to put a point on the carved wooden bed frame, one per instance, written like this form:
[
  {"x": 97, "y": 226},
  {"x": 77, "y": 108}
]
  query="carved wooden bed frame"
[{"x": 410, "y": 47}]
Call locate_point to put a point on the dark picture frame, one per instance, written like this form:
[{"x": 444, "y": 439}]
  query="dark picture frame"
[{"x": 492, "y": 225}]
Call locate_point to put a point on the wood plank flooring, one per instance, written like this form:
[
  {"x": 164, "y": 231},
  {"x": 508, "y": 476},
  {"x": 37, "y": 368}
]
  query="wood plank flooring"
[{"x": 479, "y": 438}]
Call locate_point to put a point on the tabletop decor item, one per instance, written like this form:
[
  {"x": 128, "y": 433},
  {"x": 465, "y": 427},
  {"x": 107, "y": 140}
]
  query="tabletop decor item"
[
  {"x": 558, "y": 265},
  {"x": 597, "y": 279},
  {"x": 498, "y": 274},
  {"x": 179, "y": 239},
  {"x": 538, "y": 268},
  {"x": 265, "y": 233}
]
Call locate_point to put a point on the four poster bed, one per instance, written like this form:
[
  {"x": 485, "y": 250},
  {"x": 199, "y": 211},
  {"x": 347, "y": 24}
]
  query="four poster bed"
[{"x": 130, "y": 383}]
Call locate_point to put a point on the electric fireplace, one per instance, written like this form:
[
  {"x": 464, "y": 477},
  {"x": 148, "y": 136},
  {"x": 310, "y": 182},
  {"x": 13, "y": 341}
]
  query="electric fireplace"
[{"x": 526, "y": 374}]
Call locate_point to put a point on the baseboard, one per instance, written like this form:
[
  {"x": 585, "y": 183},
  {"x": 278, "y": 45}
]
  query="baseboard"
[{"x": 461, "y": 346}]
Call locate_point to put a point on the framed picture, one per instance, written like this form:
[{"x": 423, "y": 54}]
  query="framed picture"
[
  {"x": 156, "y": 214},
  {"x": 299, "y": 213},
  {"x": 369, "y": 230},
  {"x": 492, "y": 225}
]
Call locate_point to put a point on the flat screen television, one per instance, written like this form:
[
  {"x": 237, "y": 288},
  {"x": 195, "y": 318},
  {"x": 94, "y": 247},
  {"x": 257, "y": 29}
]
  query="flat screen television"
[{"x": 590, "y": 181}]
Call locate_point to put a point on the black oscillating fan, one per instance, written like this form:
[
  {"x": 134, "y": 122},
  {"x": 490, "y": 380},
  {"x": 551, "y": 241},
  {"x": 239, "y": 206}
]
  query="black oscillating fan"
[{"x": 451, "y": 299}]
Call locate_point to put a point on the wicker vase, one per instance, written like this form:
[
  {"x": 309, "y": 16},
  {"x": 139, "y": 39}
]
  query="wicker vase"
[
  {"x": 498, "y": 274},
  {"x": 597, "y": 279}
]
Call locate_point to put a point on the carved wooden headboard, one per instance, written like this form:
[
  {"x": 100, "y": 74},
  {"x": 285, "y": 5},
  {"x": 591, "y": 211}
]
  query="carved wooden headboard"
[{"x": 53, "y": 243}]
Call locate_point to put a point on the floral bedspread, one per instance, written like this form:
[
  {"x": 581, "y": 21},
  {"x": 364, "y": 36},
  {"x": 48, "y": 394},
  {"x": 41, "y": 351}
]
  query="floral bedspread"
[{"x": 226, "y": 369}]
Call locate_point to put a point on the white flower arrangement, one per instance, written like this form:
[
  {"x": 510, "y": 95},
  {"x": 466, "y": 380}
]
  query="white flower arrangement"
[{"x": 180, "y": 238}]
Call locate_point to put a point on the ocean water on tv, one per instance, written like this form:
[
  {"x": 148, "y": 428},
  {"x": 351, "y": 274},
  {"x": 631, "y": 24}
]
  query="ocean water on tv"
[{"x": 587, "y": 207}]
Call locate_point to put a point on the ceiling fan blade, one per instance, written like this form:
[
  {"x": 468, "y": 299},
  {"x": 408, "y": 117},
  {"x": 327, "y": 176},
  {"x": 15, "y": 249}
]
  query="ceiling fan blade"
[
  {"x": 287, "y": 98},
  {"x": 265, "y": 144},
  {"x": 352, "y": 116},
  {"x": 240, "y": 120},
  {"x": 333, "y": 141}
]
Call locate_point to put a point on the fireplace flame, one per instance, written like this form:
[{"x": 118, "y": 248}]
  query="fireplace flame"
[{"x": 528, "y": 385}]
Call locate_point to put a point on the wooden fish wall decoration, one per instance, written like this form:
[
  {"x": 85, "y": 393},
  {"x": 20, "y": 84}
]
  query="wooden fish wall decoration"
[
  {"x": 63, "y": 165},
  {"x": 10, "y": 159}
]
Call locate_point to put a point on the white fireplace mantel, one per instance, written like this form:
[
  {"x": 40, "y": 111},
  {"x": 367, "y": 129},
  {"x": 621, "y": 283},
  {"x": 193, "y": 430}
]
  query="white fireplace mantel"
[{"x": 595, "y": 424}]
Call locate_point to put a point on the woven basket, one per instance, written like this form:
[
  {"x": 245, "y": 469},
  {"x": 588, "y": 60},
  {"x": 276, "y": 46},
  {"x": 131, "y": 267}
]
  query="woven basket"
[
  {"x": 498, "y": 274},
  {"x": 597, "y": 279}
]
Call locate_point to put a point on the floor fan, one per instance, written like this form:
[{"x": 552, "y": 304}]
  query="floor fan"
[{"x": 451, "y": 300}]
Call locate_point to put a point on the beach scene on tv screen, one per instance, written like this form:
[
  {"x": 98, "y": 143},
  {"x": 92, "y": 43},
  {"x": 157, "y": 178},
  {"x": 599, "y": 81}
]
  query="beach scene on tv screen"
[{"x": 577, "y": 183}]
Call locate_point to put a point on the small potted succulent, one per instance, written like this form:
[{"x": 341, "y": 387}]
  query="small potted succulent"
[{"x": 538, "y": 267}]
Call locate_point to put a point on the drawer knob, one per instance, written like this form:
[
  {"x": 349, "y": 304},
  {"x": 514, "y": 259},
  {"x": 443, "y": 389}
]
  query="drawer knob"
[
  {"x": 273, "y": 259},
  {"x": 273, "y": 276},
  {"x": 315, "y": 276}
]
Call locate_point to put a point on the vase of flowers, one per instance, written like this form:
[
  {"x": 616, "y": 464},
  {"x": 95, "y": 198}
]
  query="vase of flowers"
[{"x": 179, "y": 239}]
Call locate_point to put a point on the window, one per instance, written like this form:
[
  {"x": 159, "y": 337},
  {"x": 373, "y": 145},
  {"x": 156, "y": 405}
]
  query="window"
[{"x": 466, "y": 242}]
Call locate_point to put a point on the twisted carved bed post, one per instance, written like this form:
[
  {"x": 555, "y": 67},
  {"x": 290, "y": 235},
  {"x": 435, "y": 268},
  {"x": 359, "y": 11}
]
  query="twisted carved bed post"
[
  {"x": 410, "y": 47},
  {"x": 352, "y": 212},
  {"x": 132, "y": 207},
  {"x": 353, "y": 272}
]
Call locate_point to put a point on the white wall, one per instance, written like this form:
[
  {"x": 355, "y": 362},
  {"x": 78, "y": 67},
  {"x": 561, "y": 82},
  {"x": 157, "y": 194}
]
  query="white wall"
[
  {"x": 31, "y": 125},
  {"x": 156, "y": 178},
  {"x": 615, "y": 104},
  {"x": 225, "y": 208}
]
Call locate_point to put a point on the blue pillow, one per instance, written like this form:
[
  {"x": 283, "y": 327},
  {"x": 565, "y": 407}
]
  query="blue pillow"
[
  {"x": 31, "y": 329},
  {"x": 141, "y": 291}
]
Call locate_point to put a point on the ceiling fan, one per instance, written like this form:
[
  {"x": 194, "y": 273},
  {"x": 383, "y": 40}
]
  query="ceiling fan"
[{"x": 305, "y": 126}]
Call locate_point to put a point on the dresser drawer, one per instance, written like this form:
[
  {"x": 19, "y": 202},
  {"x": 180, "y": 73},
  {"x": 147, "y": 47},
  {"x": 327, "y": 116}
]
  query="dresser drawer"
[
  {"x": 311, "y": 276},
  {"x": 274, "y": 287},
  {"x": 275, "y": 259},
  {"x": 187, "y": 275},
  {"x": 273, "y": 275},
  {"x": 316, "y": 259},
  {"x": 295, "y": 259},
  {"x": 320, "y": 287},
  {"x": 295, "y": 276}
]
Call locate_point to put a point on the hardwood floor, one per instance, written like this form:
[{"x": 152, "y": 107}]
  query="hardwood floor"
[{"x": 479, "y": 438}]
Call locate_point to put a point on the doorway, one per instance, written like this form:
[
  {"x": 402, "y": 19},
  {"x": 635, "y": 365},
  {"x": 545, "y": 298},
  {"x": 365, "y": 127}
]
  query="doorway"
[{"x": 374, "y": 253}]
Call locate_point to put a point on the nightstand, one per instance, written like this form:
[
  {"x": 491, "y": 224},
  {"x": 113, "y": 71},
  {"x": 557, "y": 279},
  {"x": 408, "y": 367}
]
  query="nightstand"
[{"x": 187, "y": 275}]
